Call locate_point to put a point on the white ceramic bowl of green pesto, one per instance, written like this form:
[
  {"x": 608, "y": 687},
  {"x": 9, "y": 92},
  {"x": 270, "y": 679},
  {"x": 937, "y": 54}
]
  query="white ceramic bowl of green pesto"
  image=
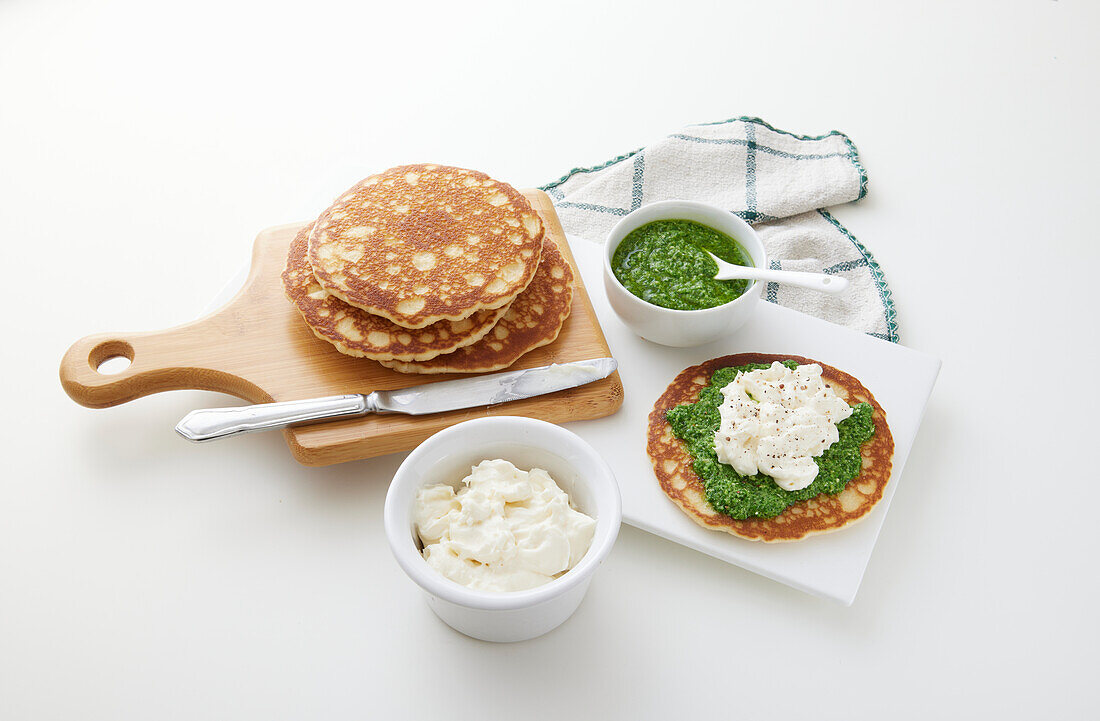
[{"x": 682, "y": 328}]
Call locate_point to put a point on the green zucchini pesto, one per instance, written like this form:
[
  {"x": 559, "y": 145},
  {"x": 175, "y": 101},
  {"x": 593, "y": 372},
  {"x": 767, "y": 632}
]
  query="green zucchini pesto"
[
  {"x": 665, "y": 263},
  {"x": 758, "y": 496}
]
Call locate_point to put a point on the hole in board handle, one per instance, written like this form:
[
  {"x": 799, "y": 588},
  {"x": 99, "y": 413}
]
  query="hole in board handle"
[
  {"x": 111, "y": 357},
  {"x": 113, "y": 365}
]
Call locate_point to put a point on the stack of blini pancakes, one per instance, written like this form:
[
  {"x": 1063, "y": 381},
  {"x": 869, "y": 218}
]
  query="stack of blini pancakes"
[{"x": 430, "y": 269}]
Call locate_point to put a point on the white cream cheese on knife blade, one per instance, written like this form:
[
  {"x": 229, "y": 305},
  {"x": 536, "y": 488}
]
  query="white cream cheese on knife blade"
[
  {"x": 775, "y": 421},
  {"x": 505, "y": 530}
]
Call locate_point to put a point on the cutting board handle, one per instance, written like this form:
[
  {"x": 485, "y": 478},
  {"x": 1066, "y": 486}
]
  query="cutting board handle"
[{"x": 167, "y": 360}]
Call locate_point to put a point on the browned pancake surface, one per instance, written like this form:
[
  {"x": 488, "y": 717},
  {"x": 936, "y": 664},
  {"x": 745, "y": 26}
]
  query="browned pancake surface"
[
  {"x": 356, "y": 332},
  {"x": 534, "y": 319},
  {"x": 421, "y": 243},
  {"x": 672, "y": 462}
]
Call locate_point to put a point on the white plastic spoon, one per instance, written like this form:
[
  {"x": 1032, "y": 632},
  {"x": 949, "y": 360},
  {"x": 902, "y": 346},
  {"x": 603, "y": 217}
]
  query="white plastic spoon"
[{"x": 814, "y": 281}]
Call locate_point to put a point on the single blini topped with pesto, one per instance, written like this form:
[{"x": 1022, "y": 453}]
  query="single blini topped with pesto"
[
  {"x": 666, "y": 263},
  {"x": 770, "y": 447}
]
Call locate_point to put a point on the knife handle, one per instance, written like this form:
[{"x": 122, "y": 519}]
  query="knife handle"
[{"x": 207, "y": 424}]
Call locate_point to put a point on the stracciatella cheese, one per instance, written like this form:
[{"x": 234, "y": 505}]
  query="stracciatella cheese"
[
  {"x": 504, "y": 530},
  {"x": 775, "y": 421}
]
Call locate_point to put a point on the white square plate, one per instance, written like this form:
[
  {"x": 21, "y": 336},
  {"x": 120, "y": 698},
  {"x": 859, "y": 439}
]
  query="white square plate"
[{"x": 829, "y": 565}]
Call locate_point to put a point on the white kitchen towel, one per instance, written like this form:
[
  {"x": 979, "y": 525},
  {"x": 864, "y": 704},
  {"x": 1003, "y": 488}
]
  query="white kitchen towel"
[{"x": 779, "y": 182}]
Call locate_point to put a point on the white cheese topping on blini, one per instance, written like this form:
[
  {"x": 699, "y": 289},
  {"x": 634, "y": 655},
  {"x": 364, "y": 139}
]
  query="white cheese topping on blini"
[{"x": 775, "y": 421}]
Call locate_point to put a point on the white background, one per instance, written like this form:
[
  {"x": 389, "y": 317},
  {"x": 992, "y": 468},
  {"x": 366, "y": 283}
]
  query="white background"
[{"x": 143, "y": 145}]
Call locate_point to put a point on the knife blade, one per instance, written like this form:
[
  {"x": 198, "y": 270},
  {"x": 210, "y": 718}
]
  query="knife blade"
[{"x": 208, "y": 424}]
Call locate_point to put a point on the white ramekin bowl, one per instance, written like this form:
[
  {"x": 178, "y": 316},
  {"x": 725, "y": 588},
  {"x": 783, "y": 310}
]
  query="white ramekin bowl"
[
  {"x": 447, "y": 457},
  {"x": 682, "y": 327}
]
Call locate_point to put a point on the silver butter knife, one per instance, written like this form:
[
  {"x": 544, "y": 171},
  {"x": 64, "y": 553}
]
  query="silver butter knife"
[{"x": 207, "y": 424}]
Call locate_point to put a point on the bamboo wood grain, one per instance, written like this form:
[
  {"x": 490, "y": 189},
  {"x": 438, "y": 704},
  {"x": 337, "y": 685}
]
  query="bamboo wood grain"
[{"x": 258, "y": 348}]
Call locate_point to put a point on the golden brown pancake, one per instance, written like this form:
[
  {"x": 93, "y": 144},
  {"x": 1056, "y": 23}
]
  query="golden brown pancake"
[
  {"x": 534, "y": 319},
  {"x": 422, "y": 243},
  {"x": 673, "y": 464},
  {"x": 358, "y": 333}
]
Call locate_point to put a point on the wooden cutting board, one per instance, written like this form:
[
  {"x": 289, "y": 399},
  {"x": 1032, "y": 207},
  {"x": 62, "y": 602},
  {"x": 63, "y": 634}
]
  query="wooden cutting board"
[{"x": 257, "y": 347}]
